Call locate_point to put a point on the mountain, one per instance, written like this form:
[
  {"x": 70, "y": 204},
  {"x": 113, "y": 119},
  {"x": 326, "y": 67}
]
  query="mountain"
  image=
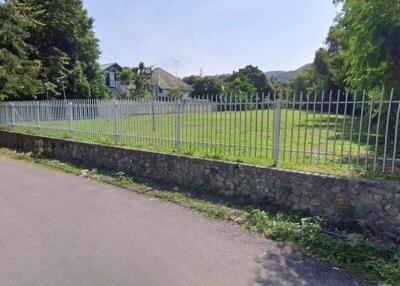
[{"x": 285, "y": 76}]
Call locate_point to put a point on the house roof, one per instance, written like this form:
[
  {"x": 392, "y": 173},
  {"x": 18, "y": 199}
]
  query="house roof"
[
  {"x": 165, "y": 80},
  {"x": 105, "y": 67}
]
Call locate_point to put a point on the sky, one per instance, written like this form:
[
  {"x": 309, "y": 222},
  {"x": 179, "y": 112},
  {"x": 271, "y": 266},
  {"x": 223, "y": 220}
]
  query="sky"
[{"x": 217, "y": 36}]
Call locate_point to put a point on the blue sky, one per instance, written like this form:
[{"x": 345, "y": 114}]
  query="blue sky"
[{"x": 218, "y": 36}]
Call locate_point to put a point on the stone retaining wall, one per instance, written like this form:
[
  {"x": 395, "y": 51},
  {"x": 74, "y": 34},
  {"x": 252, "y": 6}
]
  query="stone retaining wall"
[{"x": 372, "y": 206}]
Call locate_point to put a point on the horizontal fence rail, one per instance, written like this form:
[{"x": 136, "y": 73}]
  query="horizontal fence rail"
[{"x": 347, "y": 129}]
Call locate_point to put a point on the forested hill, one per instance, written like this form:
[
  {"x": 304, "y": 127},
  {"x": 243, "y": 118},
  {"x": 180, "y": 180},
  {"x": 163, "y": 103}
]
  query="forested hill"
[{"x": 285, "y": 76}]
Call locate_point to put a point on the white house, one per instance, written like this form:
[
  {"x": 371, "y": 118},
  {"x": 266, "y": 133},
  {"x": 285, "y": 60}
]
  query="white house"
[{"x": 162, "y": 82}]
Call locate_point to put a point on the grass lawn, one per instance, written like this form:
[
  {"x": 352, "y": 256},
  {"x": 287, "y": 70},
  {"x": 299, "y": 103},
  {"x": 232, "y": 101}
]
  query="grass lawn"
[{"x": 321, "y": 142}]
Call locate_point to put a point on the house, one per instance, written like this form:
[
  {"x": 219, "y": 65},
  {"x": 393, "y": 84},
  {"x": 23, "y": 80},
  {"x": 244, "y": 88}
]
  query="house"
[
  {"x": 111, "y": 73},
  {"x": 162, "y": 82}
]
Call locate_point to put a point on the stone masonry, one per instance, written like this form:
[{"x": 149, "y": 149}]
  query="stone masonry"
[{"x": 369, "y": 206}]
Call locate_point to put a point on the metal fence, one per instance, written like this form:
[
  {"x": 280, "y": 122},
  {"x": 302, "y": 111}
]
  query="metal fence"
[{"x": 346, "y": 129}]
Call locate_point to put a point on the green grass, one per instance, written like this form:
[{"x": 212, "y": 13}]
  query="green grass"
[
  {"x": 240, "y": 136},
  {"x": 351, "y": 252}
]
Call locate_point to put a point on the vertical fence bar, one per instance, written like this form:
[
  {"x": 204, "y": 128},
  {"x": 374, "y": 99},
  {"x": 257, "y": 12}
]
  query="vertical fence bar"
[
  {"x": 286, "y": 125},
  {"x": 220, "y": 115},
  {"x": 369, "y": 132},
  {"x": 246, "y": 100},
  {"x": 212, "y": 137},
  {"x": 273, "y": 123},
  {"x": 240, "y": 125},
  {"x": 268, "y": 121},
  {"x": 377, "y": 130},
  {"x": 305, "y": 131},
  {"x": 360, "y": 128},
  {"x": 395, "y": 137},
  {"x": 387, "y": 130},
  {"x": 37, "y": 114},
  {"x": 7, "y": 114},
  {"x": 312, "y": 128},
  {"x": 262, "y": 125},
  {"x": 70, "y": 118},
  {"x": 320, "y": 125},
  {"x": 328, "y": 125},
  {"x": 256, "y": 127},
  {"x": 230, "y": 124},
  {"x": 344, "y": 126},
  {"x": 153, "y": 116},
  {"x": 336, "y": 123},
  {"x": 298, "y": 127},
  {"x": 292, "y": 127},
  {"x": 250, "y": 123},
  {"x": 234, "y": 125},
  {"x": 116, "y": 122},
  {"x": 277, "y": 129},
  {"x": 225, "y": 98},
  {"x": 351, "y": 127},
  {"x": 12, "y": 107},
  {"x": 178, "y": 126}
]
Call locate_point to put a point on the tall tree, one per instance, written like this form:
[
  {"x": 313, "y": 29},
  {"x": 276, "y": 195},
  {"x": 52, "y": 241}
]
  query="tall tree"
[
  {"x": 255, "y": 76},
  {"x": 67, "y": 47},
  {"x": 240, "y": 87},
  {"x": 18, "y": 72},
  {"x": 371, "y": 31},
  {"x": 203, "y": 86}
]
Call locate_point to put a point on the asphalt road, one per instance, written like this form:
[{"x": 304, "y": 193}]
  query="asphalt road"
[{"x": 59, "y": 229}]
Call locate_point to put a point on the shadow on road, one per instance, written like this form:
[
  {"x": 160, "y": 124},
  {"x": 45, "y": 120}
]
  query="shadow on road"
[{"x": 285, "y": 266}]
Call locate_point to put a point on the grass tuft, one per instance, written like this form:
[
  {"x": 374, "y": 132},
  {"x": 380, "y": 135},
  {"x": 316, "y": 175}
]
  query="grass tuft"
[{"x": 352, "y": 252}]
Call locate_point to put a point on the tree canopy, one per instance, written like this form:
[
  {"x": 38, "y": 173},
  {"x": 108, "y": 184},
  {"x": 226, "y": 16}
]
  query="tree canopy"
[
  {"x": 371, "y": 31},
  {"x": 205, "y": 86},
  {"x": 362, "y": 49},
  {"x": 137, "y": 81},
  {"x": 18, "y": 72},
  {"x": 52, "y": 39},
  {"x": 248, "y": 81}
]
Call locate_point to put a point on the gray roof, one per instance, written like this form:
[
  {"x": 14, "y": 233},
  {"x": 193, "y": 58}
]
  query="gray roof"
[
  {"x": 105, "y": 67},
  {"x": 165, "y": 80}
]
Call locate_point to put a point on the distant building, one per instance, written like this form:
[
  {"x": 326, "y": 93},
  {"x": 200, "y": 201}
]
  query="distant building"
[
  {"x": 111, "y": 73},
  {"x": 161, "y": 82}
]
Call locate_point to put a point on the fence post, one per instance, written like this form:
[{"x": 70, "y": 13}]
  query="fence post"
[
  {"x": 70, "y": 118},
  {"x": 7, "y": 113},
  {"x": 37, "y": 114},
  {"x": 12, "y": 114},
  {"x": 116, "y": 123},
  {"x": 277, "y": 130},
  {"x": 153, "y": 119},
  {"x": 178, "y": 126}
]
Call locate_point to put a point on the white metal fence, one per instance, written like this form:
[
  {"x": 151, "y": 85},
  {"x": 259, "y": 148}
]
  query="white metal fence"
[{"x": 338, "y": 128}]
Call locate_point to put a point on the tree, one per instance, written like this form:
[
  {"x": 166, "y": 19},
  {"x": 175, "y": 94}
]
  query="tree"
[
  {"x": 371, "y": 31},
  {"x": 336, "y": 47},
  {"x": 369, "y": 45},
  {"x": 305, "y": 81},
  {"x": 203, "y": 86},
  {"x": 67, "y": 46},
  {"x": 240, "y": 88},
  {"x": 255, "y": 76},
  {"x": 137, "y": 81},
  {"x": 19, "y": 74}
]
